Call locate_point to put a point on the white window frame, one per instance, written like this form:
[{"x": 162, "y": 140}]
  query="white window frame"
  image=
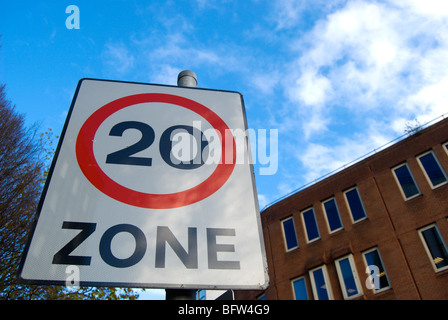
[
  {"x": 326, "y": 279},
  {"x": 262, "y": 296},
  {"x": 284, "y": 234},
  {"x": 426, "y": 174},
  {"x": 384, "y": 267},
  {"x": 425, "y": 245},
  {"x": 305, "y": 227},
  {"x": 399, "y": 184},
  {"x": 445, "y": 147},
  {"x": 355, "y": 277},
  {"x": 294, "y": 291},
  {"x": 348, "y": 205},
  {"x": 326, "y": 216}
]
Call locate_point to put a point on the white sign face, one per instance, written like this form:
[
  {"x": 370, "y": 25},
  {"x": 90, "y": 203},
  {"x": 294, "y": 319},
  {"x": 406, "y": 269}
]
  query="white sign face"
[{"x": 152, "y": 186}]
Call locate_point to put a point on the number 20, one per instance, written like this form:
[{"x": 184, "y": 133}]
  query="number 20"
[{"x": 126, "y": 155}]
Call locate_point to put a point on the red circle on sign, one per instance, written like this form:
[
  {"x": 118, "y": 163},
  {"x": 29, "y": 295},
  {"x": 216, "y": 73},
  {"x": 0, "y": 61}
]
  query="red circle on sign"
[{"x": 92, "y": 171}]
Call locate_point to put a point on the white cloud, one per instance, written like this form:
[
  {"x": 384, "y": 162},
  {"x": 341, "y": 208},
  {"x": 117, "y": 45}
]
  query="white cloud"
[
  {"x": 165, "y": 74},
  {"x": 432, "y": 8},
  {"x": 177, "y": 50},
  {"x": 312, "y": 88},
  {"x": 316, "y": 123},
  {"x": 430, "y": 101},
  {"x": 358, "y": 44},
  {"x": 118, "y": 58},
  {"x": 372, "y": 58},
  {"x": 321, "y": 159},
  {"x": 288, "y": 12},
  {"x": 265, "y": 82},
  {"x": 360, "y": 74}
]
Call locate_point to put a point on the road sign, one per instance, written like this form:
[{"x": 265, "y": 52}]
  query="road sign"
[{"x": 151, "y": 186}]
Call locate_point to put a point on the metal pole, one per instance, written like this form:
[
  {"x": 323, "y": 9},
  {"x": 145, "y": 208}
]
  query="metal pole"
[
  {"x": 180, "y": 294},
  {"x": 186, "y": 78}
]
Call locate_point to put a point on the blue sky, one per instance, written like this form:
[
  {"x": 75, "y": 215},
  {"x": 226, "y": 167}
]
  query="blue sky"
[{"x": 336, "y": 78}]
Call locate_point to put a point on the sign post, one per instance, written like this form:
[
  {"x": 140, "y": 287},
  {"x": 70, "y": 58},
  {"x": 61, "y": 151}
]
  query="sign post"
[
  {"x": 151, "y": 186},
  {"x": 186, "y": 78}
]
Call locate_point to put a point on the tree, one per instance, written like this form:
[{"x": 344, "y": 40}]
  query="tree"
[
  {"x": 24, "y": 158},
  {"x": 20, "y": 184},
  {"x": 412, "y": 127}
]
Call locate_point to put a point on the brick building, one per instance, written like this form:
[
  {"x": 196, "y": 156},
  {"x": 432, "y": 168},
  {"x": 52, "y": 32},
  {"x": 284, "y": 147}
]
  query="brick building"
[{"x": 388, "y": 211}]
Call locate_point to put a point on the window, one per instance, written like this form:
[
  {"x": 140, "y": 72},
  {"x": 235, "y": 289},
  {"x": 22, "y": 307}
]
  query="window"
[
  {"x": 309, "y": 220},
  {"x": 355, "y": 204},
  {"x": 406, "y": 181},
  {"x": 348, "y": 278},
  {"x": 299, "y": 289},
  {"x": 446, "y": 146},
  {"x": 289, "y": 232},
  {"x": 320, "y": 284},
  {"x": 261, "y": 297},
  {"x": 332, "y": 214},
  {"x": 376, "y": 270},
  {"x": 435, "y": 247},
  {"x": 432, "y": 169},
  {"x": 201, "y": 295}
]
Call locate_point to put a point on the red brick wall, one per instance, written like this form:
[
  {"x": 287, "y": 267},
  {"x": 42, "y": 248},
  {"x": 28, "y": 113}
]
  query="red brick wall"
[{"x": 392, "y": 226}]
